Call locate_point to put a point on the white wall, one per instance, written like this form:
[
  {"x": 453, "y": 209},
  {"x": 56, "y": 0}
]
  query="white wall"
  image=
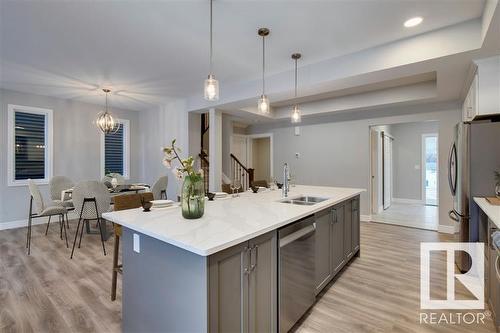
[
  {"x": 407, "y": 157},
  {"x": 76, "y": 146},
  {"x": 334, "y": 149},
  {"x": 158, "y": 127}
]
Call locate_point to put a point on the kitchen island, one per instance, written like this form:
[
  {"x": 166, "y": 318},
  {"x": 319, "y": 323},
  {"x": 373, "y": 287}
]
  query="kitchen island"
[{"x": 220, "y": 272}]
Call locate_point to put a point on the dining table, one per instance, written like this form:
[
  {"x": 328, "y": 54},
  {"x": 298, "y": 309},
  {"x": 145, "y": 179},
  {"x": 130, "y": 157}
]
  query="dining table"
[{"x": 113, "y": 191}]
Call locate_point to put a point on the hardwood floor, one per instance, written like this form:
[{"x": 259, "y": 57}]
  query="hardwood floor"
[
  {"x": 380, "y": 290},
  {"x": 48, "y": 292}
]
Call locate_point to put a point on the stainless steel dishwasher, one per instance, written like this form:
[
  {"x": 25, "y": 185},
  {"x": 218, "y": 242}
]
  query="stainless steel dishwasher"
[{"x": 296, "y": 271}]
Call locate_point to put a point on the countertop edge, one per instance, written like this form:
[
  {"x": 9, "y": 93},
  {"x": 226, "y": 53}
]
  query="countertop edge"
[
  {"x": 488, "y": 208},
  {"x": 205, "y": 253}
]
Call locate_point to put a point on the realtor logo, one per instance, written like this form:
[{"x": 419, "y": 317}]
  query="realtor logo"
[{"x": 473, "y": 280}]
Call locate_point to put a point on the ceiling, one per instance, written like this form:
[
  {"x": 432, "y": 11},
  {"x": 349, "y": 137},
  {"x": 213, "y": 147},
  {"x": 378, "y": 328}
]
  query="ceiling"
[{"x": 151, "y": 51}]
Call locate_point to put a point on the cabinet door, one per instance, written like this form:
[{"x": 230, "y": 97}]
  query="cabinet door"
[
  {"x": 337, "y": 238},
  {"x": 348, "y": 230},
  {"x": 494, "y": 286},
  {"x": 228, "y": 290},
  {"x": 355, "y": 224},
  {"x": 262, "y": 312},
  {"x": 323, "y": 249}
]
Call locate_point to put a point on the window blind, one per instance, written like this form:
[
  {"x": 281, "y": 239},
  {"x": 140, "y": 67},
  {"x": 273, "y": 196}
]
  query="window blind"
[
  {"x": 30, "y": 139},
  {"x": 114, "y": 152}
]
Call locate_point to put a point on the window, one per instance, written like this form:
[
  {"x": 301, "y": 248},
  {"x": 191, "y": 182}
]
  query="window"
[
  {"x": 115, "y": 151},
  {"x": 29, "y": 144}
]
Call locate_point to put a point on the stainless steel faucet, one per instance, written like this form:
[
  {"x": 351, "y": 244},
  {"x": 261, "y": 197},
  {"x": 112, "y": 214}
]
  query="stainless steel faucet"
[{"x": 286, "y": 180}]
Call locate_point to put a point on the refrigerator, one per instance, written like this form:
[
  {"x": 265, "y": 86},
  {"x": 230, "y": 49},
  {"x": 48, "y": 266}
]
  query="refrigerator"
[{"x": 473, "y": 158}]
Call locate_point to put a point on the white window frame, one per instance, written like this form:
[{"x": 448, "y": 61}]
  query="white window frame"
[
  {"x": 422, "y": 167},
  {"x": 126, "y": 149},
  {"x": 11, "y": 160}
]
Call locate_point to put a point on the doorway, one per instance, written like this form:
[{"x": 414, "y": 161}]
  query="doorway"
[
  {"x": 404, "y": 161},
  {"x": 255, "y": 151},
  {"x": 430, "y": 172}
]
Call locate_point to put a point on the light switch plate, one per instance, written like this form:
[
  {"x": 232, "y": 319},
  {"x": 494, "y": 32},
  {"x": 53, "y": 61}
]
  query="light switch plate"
[
  {"x": 297, "y": 130},
  {"x": 297, "y": 155},
  {"x": 137, "y": 243}
]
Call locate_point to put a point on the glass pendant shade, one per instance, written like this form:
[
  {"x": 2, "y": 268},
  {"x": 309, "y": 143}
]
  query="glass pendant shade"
[
  {"x": 296, "y": 116},
  {"x": 211, "y": 88},
  {"x": 263, "y": 105}
]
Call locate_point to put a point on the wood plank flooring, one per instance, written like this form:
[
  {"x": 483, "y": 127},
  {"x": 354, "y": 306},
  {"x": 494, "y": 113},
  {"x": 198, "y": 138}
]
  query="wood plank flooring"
[
  {"x": 380, "y": 290},
  {"x": 48, "y": 292}
]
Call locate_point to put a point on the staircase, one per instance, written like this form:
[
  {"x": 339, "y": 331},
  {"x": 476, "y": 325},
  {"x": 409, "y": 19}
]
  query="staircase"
[
  {"x": 241, "y": 173},
  {"x": 205, "y": 166}
]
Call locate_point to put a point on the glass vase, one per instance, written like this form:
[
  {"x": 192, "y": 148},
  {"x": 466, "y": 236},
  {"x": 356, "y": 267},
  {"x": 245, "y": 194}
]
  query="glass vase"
[{"x": 193, "y": 197}]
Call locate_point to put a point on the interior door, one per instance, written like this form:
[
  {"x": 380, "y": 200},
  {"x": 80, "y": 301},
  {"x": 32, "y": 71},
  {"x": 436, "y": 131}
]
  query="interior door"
[
  {"x": 239, "y": 148},
  {"x": 387, "y": 170}
]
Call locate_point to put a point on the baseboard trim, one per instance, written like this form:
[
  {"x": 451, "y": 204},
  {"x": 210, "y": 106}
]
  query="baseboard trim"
[
  {"x": 408, "y": 201},
  {"x": 21, "y": 223},
  {"x": 447, "y": 229},
  {"x": 24, "y": 223},
  {"x": 365, "y": 218}
]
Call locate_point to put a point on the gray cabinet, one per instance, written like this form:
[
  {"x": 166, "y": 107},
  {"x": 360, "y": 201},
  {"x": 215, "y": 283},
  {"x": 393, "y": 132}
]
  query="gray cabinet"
[
  {"x": 348, "y": 250},
  {"x": 243, "y": 287},
  {"x": 323, "y": 250},
  {"x": 355, "y": 225},
  {"x": 338, "y": 239}
]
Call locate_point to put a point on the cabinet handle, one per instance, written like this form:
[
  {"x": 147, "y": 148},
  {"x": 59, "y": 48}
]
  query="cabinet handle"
[
  {"x": 254, "y": 264},
  {"x": 334, "y": 216},
  {"x": 248, "y": 258}
]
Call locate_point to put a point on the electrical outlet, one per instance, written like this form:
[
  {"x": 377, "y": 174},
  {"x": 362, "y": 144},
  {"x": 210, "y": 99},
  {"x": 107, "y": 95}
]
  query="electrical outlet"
[
  {"x": 297, "y": 155},
  {"x": 137, "y": 243}
]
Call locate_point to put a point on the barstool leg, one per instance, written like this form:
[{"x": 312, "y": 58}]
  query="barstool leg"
[
  {"x": 47, "y": 229},
  {"x": 60, "y": 226},
  {"x": 114, "y": 277},
  {"x": 65, "y": 233},
  {"x": 67, "y": 221},
  {"x": 81, "y": 233},
  {"x": 102, "y": 237},
  {"x": 76, "y": 235}
]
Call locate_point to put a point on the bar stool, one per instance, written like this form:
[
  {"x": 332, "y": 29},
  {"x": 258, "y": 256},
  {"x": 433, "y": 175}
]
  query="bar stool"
[
  {"x": 43, "y": 211},
  {"x": 91, "y": 199},
  {"x": 122, "y": 202},
  {"x": 159, "y": 188}
]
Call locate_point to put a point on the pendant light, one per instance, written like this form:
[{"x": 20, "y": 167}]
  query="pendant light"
[
  {"x": 105, "y": 120},
  {"x": 263, "y": 104},
  {"x": 296, "y": 116},
  {"x": 211, "y": 84}
]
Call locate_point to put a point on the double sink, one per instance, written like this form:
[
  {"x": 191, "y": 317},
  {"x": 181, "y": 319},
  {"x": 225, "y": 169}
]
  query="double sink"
[{"x": 304, "y": 200}]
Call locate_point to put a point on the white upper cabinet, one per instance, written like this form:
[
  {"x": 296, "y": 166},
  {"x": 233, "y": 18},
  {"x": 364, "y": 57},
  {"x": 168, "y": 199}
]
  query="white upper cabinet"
[
  {"x": 483, "y": 97},
  {"x": 470, "y": 106}
]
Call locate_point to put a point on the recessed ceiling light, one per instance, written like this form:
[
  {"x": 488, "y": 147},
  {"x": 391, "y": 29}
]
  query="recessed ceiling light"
[{"x": 414, "y": 21}]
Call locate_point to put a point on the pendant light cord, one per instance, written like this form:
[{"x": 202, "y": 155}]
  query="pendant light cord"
[
  {"x": 263, "y": 65},
  {"x": 211, "y": 41},
  {"x": 295, "y": 77},
  {"x": 106, "y": 102}
]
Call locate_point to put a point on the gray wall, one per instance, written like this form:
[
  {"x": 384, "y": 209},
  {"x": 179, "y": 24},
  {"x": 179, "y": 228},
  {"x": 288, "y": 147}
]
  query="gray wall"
[
  {"x": 407, "y": 155},
  {"x": 334, "y": 149},
  {"x": 76, "y": 149}
]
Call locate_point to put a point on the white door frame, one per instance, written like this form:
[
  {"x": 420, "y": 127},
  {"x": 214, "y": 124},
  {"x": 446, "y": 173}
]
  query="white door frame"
[
  {"x": 271, "y": 152},
  {"x": 249, "y": 138},
  {"x": 424, "y": 136}
]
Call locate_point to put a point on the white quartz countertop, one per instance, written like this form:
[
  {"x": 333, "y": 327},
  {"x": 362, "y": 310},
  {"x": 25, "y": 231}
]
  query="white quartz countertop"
[
  {"x": 228, "y": 221},
  {"x": 492, "y": 211}
]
